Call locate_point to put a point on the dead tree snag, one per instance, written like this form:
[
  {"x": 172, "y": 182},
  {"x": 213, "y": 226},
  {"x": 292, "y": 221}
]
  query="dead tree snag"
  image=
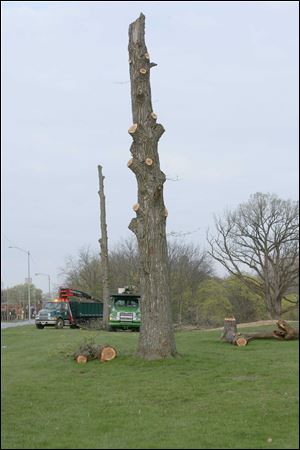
[
  {"x": 156, "y": 338},
  {"x": 104, "y": 249}
]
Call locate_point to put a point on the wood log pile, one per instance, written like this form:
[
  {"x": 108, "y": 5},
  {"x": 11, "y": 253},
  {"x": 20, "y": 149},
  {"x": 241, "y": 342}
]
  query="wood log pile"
[
  {"x": 89, "y": 351},
  {"x": 285, "y": 332}
]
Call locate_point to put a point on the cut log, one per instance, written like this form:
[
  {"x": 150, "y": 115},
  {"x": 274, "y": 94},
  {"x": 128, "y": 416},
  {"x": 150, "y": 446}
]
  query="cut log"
[
  {"x": 81, "y": 359},
  {"x": 285, "y": 333},
  {"x": 240, "y": 341},
  {"x": 108, "y": 353}
]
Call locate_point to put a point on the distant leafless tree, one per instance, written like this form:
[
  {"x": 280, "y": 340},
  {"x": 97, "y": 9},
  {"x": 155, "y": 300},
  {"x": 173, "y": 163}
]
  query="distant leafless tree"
[
  {"x": 124, "y": 265},
  {"x": 261, "y": 235},
  {"x": 189, "y": 266},
  {"x": 83, "y": 272}
]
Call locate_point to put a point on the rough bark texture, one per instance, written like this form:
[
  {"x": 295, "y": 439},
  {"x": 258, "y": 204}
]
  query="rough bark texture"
[
  {"x": 156, "y": 339},
  {"x": 231, "y": 335},
  {"x": 284, "y": 333},
  {"x": 229, "y": 326},
  {"x": 104, "y": 250},
  {"x": 89, "y": 351}
]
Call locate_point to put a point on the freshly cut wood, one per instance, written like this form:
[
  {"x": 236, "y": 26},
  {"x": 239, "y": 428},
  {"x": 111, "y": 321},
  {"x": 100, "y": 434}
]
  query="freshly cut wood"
[
  {"x": 240, "y": 341},
  {"x": 130, "y": 162},
  {"x": 285, "y": 333},
  {"x": 107, "y": 353},
  {"x": 133, "y": 128},
  {"x": 148, "y": 161},
  {"x": 82, "y": 359},
  {"x": 153, "y": 115},
  {"x": 143, "y": 71},
  {"x": 136, "y": 207},
  {"x": 89, "y": 350}
]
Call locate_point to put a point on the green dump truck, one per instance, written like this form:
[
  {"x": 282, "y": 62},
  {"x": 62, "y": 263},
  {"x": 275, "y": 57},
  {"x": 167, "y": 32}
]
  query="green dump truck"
[
  {"x": 72, "y": 308},
  {"x": 125, "y": 313}
]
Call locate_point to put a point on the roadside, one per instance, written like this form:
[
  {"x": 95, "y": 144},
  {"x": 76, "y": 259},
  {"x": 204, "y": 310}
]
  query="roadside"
[{"x": 5, "y": 325}]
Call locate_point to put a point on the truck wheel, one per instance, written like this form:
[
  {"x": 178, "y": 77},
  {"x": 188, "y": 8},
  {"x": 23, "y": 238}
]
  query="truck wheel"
[
  {"x": 59, "y": 324},
  {"x": 39, "y": 326}
]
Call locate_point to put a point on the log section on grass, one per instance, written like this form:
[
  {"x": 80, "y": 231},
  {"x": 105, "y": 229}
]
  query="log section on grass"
[
  {"x": 89, "y": 351},
  {"x": 285, "y": 333}
]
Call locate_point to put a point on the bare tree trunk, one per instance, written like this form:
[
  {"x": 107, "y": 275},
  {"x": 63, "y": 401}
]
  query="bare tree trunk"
[
  {"x": 104, "y": 249},
  {"x": 156, "y": 338}
]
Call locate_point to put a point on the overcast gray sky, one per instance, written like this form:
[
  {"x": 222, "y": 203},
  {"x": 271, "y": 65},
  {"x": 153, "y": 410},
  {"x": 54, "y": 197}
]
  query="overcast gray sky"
[{"x": 225, "y": 89}]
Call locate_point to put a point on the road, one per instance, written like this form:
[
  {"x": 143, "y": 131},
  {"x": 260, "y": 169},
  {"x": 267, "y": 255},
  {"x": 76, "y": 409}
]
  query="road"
[{"x": 5, "y": 325}]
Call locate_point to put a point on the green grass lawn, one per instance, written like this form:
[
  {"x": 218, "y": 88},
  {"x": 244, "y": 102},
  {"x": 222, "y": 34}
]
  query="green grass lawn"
[{"x": 213, "y": 396}]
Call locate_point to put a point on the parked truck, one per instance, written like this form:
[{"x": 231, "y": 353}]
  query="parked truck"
[
  {"x": 73, "y": 308},
  {"x": 125, "y": 311}
]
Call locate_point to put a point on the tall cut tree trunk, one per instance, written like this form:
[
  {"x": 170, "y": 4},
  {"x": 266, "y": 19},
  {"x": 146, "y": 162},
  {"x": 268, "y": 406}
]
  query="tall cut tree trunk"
[
  {"x": 104, "y": 250},
  {"x": 156, "y": 338}
]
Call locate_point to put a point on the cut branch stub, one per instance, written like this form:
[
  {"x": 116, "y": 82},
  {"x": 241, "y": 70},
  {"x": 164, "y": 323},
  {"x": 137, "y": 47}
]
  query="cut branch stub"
[
  {"x": 147, "y": 56},
  {"x": 166, "y": 212},
  {"x": 159, "y": 131},
  {"x": 136, "y": 207},
  {"x": 148, "y": 161},
  {"x": 153, "y": 115},
  {"x": 133, "y": 128},
  {"x": 143, "y": 71},
  {"x": 130, "y": 162}
]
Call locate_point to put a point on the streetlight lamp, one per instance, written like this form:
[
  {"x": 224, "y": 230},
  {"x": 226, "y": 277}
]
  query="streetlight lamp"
[
  {"x": 49, "y": 284},
  {"x": 28, "y": 279}
]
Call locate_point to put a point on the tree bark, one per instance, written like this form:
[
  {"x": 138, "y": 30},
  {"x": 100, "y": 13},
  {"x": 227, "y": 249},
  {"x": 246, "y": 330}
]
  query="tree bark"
[
  {"x": 88, "y": 352},
  {"x": 230, "y": 334},
  {"x": 104, "y": 250},
  {"x": 156, "y": 339}
]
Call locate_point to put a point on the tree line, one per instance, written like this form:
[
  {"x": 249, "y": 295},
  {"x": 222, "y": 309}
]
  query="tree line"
[{"x": 257, "y": 243}]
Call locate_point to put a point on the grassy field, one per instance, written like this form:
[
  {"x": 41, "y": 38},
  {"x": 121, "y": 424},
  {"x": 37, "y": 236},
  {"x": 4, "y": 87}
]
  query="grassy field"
[{"x": 212, "y": 396}]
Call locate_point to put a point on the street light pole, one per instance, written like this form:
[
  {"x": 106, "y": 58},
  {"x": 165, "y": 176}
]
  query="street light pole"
[
  {"x": 49, "y": 284},
  {"x": 28, "y": 280}
]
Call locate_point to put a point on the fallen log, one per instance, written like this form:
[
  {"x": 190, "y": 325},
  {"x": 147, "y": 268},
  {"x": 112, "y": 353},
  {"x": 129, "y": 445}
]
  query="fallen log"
[
  {"x": 89, "y": 351},
  {"x": 285, "y": 333}
]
